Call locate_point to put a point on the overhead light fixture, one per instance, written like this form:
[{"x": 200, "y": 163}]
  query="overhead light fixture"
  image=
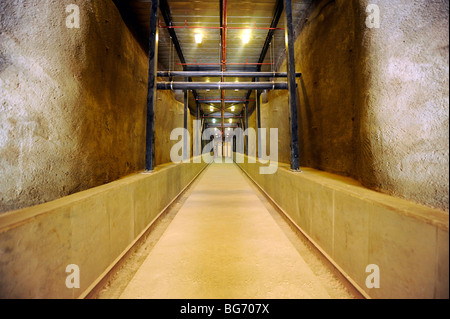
[
  {"x": 232, "y": 108},
  {"x": 230, "y": 121},
  {"x": 198, "y": 37},
  {"x": 211, "y": 108},
  {"x": 246, "y": 36},
  {"x": 214, "y": 121}
]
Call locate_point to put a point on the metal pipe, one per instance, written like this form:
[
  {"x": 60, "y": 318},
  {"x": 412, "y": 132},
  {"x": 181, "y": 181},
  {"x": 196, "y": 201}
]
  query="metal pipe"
[
  {"x": 224, "y": 35},
  {"x": 226, "y": 116},
  {"x": 219, "y": 101},
  {"x": 185, "y": 26},
  {"x": 222, "y": 86},
  {"x": 230, "y": 99},
  {"x": 224, "y": 74},
  {"x": 226, "y": 125},
  {"x": 224, "y": 63}
]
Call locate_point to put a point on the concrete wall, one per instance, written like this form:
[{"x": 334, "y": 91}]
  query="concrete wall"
[
  {"x": 253, "y": 147},
  {"x": 91, "y": 229},
  {"x": 355, "y": 227},
  {"x": 404, "y": 125},
  {"x": 72, "y": 107},
  {"x": 273, "y": 115},
  {"x": 169, "y": 114},
  {"x": 373, "y": 103},
  {"x": 73, "y": 102}
]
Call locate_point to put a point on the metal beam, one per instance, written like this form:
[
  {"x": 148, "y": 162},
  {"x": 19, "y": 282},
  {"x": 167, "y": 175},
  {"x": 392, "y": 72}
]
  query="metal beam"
[
  {"x": 224, "y": 74},
  {"x": 185, "y": 122},
  {"x": 226, "y": 116},
  {"x": 276, "y": 18},
  {"x": 165, "y": 12},
  {"x": 220, "y": 101},
  {"x": 222, "y": 85},
  {"x": 217, "y": 125},
  {"x": 246, "y": 124},
  {"x": 290, "y": 57},
  {"x": 151, "y": 93},
  {"x": 199, "y": 131},
  {"x": 258, "y": 119}
]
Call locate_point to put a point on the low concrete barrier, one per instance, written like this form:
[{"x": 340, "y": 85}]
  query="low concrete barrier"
[
  {"x": 91, "y": 229},
  {"x": 356, "y": 227}
]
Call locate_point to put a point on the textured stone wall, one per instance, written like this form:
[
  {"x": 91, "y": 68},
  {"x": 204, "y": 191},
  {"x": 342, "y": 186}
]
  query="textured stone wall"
[
  {"x": 403, "y": 121},
  {"x": 373, "y": 103},
  {"x": 72, "y": 102},
  {"x": 169, "y": 114}
]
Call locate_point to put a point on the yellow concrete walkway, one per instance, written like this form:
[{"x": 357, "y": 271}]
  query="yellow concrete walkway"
[{"x": 223, "y": 243}]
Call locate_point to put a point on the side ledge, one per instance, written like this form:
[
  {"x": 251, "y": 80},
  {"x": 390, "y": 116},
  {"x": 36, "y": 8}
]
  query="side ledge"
[
  {"x": 92, "y": 229},
  {"x": 355, "y": 227}
]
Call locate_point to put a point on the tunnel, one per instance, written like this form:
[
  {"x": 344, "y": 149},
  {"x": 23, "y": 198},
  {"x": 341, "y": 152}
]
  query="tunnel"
[{"x": 224, "y": 149}]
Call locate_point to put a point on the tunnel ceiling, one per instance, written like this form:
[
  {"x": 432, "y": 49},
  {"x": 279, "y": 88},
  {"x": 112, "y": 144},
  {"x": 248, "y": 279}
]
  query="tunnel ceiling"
[{"x": 207, "y": 55}]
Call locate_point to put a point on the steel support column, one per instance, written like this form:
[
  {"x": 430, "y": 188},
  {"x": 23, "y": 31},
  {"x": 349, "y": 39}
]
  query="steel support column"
[
  {"x": 290, "y": 58},
  {"x": 246, "y": 125},
  {"x": 258, "y": 118},
  {"x": 151, "y": 93},
  {"x": 199, "y": 130},
  {"x": 185, "y": 122}
]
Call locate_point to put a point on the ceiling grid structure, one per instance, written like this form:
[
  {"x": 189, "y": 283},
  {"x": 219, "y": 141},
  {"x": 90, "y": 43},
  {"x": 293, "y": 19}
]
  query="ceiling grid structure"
[{"x": 264, "y": 48}]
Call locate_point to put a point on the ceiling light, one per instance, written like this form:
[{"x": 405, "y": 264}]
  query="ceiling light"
[
  {"x": 214, "y": 120},
  {"x": 232, "y": 108},
  {"x": 198, "y": 37},
  {"x": 246, "y": 36},
  {"x": 230, "y": 121},
  {"x": 211, "y": 108}
]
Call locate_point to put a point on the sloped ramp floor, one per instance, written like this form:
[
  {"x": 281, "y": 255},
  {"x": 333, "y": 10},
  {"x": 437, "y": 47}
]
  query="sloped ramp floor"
[{"x": 224, "y": 244}]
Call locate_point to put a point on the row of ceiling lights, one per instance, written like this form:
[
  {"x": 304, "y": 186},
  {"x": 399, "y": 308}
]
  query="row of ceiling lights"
[
  {"x": 211, "y": 108},
  {"x": 245, "y": 40},
  {"x": 229, "y": 121},
  {"x": 245, "y": 37}
]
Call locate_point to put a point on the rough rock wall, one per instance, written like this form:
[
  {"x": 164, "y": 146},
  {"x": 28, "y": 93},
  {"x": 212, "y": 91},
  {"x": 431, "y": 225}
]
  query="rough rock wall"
[
  {"x": 404, "y": 128},
  {"x": 72, "y": 101},
  {"x": 169, "y": 114},
  {"x": 273, "y": 115},
  {"x": 373, "y": 103},
  {"x": 253, "y": 147}
]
